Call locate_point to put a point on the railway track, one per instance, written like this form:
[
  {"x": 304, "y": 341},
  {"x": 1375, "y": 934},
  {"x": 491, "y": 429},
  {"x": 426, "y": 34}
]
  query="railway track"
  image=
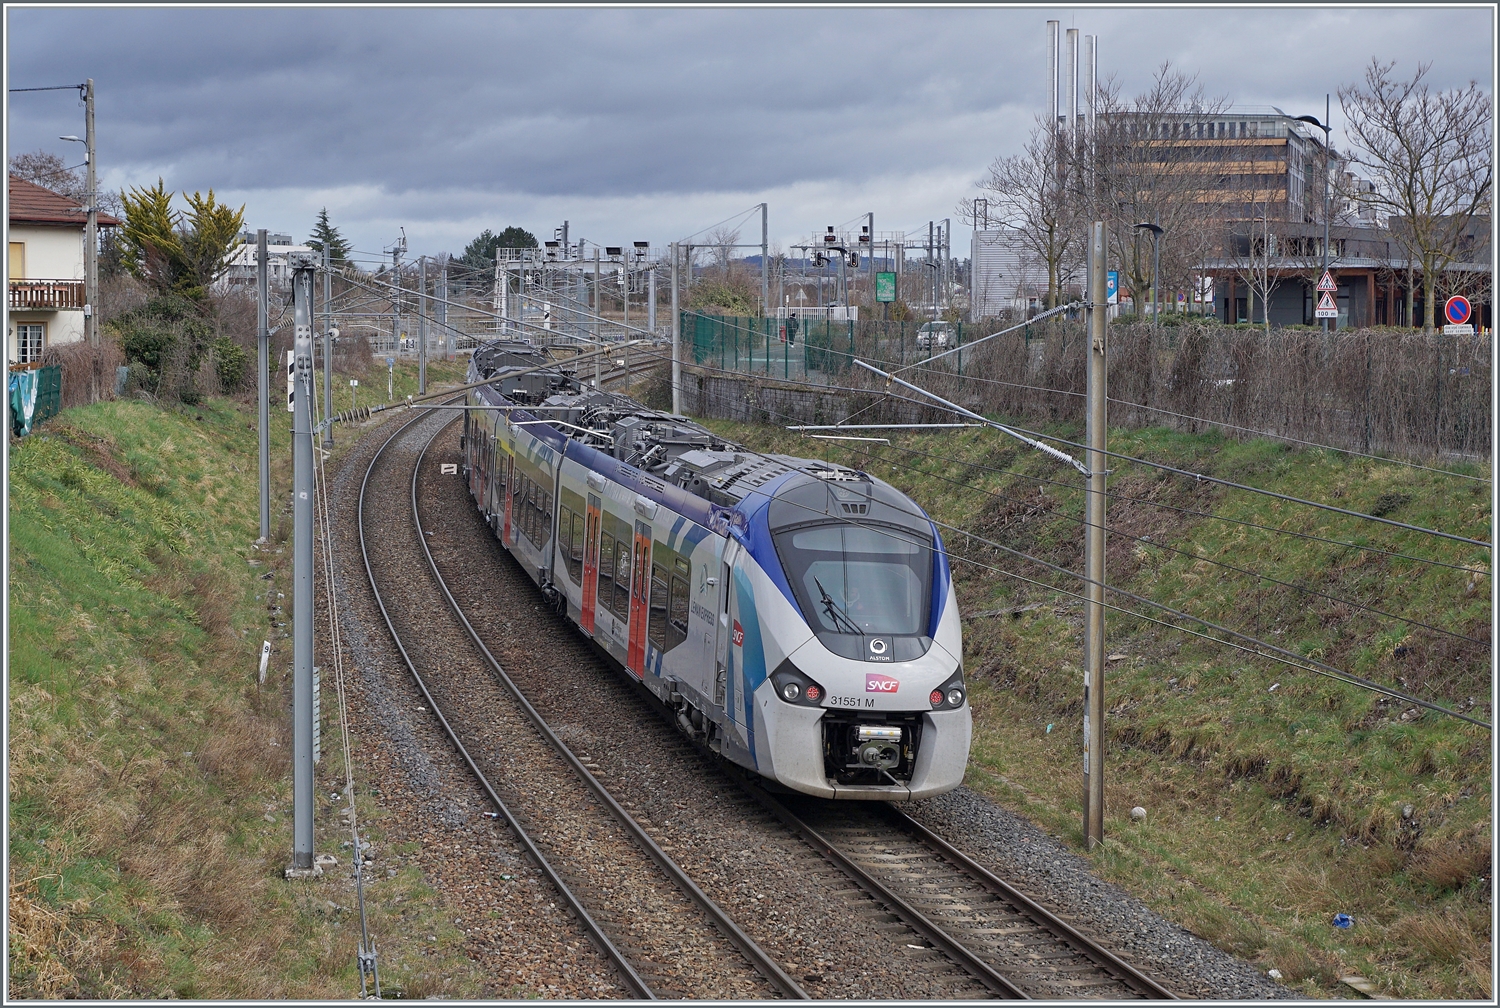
[
  {"x": 975, "y": 935},
  {"x": 965, "y": 910},
  {"x": 644, "y": 914}
]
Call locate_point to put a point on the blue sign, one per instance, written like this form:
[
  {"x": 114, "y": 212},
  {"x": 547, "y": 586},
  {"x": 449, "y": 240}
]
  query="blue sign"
[{"x": 1112, "y": 287}]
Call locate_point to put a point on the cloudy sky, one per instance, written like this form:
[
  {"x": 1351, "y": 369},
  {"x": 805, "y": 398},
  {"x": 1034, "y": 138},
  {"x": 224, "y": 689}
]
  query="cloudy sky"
[{"x": 638, "y": 123}]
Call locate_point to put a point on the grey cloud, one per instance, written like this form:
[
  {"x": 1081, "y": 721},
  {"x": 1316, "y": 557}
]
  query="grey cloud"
[{"x": 545, "y": 104}]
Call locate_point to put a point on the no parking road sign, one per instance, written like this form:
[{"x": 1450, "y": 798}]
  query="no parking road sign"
[{"x": 1457, "y": 310}]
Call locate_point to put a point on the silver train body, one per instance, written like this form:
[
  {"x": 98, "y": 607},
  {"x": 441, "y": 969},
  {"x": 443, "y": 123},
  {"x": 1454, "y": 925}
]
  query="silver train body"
[{"x": 797, "y": 616}]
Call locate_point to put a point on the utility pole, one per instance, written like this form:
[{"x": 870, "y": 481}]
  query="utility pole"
[
  {"x": 870, "y": 266},
  {"x": 442, "y": 307},
  {"x": 651, "y": 300},
  {"x": 91, "y": 231},
  {"x": 263, "y": 393},
  {"x": 396, "y": 296},
  {"x": 302, "y": 568},
  {"x": 598, "y": 330},
  {"x": 676, "y": 338},
  {"x": 422, "y": 327},
  {"x": 327, "y": 349},
  {"x": 501, "y": 293},
  {"x": 1093, "y": 691},
  {"x": 765, "y": 252}
]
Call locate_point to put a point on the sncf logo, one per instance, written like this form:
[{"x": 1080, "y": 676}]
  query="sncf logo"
[
  {"x": 739, "y": 634},
  {"x": 880, "y": 684}
]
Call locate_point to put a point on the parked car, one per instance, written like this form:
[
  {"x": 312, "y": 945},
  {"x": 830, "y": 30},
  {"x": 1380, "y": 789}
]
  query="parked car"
[{"x": 935, "y": 336}]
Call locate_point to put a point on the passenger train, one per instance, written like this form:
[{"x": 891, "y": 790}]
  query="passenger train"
[{"x": 798, "y": 616}]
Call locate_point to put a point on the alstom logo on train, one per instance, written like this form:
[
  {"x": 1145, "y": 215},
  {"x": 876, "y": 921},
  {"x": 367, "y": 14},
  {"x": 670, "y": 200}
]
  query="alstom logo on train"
[{"x": 750, "y": 593}]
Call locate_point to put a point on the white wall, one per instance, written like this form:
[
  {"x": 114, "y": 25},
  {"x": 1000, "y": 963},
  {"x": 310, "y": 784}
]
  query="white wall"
[{"x": 52, "y": 253}]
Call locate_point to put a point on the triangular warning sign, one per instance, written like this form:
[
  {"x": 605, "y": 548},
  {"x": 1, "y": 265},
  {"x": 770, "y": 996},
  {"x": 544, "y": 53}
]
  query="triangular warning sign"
[
  {"x": 1325, "y": 303},
  {"x": 1327, "y": 284}
]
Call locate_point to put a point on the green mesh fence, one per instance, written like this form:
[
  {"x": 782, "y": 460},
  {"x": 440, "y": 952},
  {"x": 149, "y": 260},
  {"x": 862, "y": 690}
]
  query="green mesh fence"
[{"x": 819, "y": 349}]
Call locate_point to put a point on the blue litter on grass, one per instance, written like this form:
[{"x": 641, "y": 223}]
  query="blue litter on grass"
[
  {"x": 1049, "y": 730},
  {"x": 1343, "y": 921}
]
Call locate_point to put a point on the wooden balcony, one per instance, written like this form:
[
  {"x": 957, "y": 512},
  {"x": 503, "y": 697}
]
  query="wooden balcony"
[{"x": 46, "y": 295}]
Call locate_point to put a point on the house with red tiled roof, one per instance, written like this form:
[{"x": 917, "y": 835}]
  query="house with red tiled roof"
[{"x": 44, "y": 259}]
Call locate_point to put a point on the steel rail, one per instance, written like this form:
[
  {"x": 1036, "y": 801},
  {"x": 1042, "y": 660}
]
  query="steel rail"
[
  {"x": 753, "y": 953},
  {"x": 982, "y": 971},
  {"x": 1107, "y": 960},
  {"x": 633, "y": 980}
]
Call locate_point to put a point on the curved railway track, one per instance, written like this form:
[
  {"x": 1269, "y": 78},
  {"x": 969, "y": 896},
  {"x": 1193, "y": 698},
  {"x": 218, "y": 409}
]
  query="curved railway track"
[
  {"x": 968, "y": 933},
  {"x": 633, "y": 902}
]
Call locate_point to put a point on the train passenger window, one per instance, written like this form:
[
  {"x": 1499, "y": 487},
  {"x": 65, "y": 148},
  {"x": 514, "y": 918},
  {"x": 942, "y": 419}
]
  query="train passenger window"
[
  {"x": 677, "y": 613},
  {"x": 565, "y": 531},
  {"x": 606, "y": 569},
  {"x": 575, "y": 550},
  {"x": 621, "y": 607},
  {"x": 656, "y": 625}
]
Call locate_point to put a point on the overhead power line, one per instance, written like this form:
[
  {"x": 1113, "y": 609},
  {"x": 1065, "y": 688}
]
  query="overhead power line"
[
  {"x": 1151, "y": 542},
  {"x": 1276, "y": 653}
]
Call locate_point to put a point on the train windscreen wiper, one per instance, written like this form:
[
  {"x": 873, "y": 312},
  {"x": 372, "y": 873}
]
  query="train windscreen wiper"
[{"x": 836, "y": 614}]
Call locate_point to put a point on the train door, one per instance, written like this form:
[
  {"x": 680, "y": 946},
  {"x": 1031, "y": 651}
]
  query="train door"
[
  {"x": 508, "y": 469},
  {"x": 479, "y": 461},
  {"x": 592, "y": 522},
  {"x": 640, "y": 600},
  {"x": 729, "y": 635}
]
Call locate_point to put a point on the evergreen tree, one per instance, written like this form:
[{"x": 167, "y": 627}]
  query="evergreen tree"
[
  {"x": 325, "y": 235},
  {"x": 178, "y": 253},
  {"x": 480, "y": 253}
]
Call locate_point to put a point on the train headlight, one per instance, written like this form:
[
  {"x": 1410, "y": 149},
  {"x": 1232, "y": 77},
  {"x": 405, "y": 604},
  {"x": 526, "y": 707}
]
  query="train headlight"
[
  {"x": 950, "y": 695},
  {"x": 793, "y": 687}
]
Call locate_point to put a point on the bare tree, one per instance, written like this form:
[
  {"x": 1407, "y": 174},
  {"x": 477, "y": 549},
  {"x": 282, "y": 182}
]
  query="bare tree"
[
  {"x": 1251, "y": 254},
  {"x": 1147, "y": 169},
  {"x": 1429, "y": 157},
  {"x": 49, "y": 171},
  {"x": 1036, "y": 194},
  {"x": 722, "y": 241}
]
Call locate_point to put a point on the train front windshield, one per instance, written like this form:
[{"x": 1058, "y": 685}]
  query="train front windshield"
[{"x": 859, "y": 579}]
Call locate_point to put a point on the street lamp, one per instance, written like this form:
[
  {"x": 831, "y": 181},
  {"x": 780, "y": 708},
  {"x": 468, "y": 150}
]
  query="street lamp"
[
  {"x": 1156, "y": 232},
  {"x": 1327, "y": 182},
  {"x": 91, "y": 224}
]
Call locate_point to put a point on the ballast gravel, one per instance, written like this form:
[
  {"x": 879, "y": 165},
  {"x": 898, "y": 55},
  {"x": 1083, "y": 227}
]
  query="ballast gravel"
[
  {"x": 1035, "y": 862},
  {"x": 533, "y": 950}
]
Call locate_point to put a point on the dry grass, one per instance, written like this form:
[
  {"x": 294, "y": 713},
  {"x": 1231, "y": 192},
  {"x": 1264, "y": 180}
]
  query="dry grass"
[
  {"x": 1452, "y": 864},
  {"x": 51, "y": 948}
]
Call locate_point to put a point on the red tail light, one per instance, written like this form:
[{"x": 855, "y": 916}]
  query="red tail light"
[{"x": 936, "y": 698}]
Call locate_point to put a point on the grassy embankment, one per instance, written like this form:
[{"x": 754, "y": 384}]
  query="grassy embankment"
[
  {"x": 150, "y": 812},
  {"x": 1275, "y": 798}
]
